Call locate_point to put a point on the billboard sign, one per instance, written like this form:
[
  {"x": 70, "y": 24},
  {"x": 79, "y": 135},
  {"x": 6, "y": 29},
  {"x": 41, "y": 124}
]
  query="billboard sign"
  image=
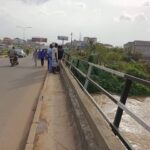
[
  {"x": 63, "y": 38},
  {"x": 39, "y": 39}
]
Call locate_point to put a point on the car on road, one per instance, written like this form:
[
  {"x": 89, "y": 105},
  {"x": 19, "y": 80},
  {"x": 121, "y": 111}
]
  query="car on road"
[{"x": 20, "y": 53}]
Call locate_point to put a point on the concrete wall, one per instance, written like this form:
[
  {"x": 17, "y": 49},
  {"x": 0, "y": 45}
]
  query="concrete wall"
[{"x": 102, "y": 134}]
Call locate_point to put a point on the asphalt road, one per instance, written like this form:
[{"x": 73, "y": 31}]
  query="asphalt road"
[{"x": 19, "y": 87}]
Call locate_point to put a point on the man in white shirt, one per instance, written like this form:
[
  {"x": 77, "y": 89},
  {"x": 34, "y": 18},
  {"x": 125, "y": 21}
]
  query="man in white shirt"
[{"x": 54, "y": 57}]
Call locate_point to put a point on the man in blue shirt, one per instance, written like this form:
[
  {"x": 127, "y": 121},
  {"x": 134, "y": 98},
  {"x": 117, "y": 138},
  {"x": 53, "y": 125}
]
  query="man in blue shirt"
[{"x": 42, "y": 56}]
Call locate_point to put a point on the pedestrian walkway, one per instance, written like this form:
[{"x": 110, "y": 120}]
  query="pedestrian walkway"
[{"x": 56, "y": 128}]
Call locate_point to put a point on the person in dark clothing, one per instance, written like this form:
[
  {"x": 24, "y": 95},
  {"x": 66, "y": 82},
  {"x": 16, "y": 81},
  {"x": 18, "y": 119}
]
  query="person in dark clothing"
[
  {"x": 42, "y": 56},
  {"x": 60, "y": 55},
  {"x": 60, "y": 52}
]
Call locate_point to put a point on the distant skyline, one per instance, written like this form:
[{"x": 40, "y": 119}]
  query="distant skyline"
[{"x": 111, "y": 21}]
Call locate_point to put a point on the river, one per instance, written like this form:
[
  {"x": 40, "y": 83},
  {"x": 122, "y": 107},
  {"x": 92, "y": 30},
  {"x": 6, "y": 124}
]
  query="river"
[{"x": 134, "y": 133}]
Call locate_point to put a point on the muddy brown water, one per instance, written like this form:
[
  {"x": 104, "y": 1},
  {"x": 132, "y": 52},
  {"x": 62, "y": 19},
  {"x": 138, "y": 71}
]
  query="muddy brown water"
[{"x": 134, "y": 133}]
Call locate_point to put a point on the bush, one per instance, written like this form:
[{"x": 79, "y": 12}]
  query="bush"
[
  {"x": 113, "y": 83},
  {"x": 114, "y": 59},
  {"x": 137, "y": 73},
  {"x": 108, "y": 81},
  {"x": 93, "y": 58},
  {"x": 4, "y": 52},
  {"x": 139, "y": 90}
]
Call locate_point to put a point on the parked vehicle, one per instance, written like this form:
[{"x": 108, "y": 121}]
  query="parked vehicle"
[{"x": 20, "y": 53}]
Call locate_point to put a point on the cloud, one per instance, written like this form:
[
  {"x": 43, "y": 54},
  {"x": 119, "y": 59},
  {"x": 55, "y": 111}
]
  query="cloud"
[
  {"x": 81, "y": 5},
  {"x": 140, "y": 17},
  {"x": 126, "y": 3},
  {"x": 37, "y": 2},
  {"x": 147, "y": 4},
  {"x": 123, "y": 17},
  {"x": 97, "y": 11},
  {"x": 59, "y": 12},
  {"x": 56, "y": 15}
]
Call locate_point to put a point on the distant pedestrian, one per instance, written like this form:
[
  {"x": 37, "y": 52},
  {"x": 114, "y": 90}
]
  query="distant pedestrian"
[
  {"x": 35, "y": 57},
  {"x": 39, "y": 54},
  {"x": 42, "y": 56},
  {"x": 27, "y": 51},
  {"x": 60, "y": 55},
  {"x": 49, "y": 58},
  {"x": 60, "y": 52},
  {"x": 54, "y": 57}
]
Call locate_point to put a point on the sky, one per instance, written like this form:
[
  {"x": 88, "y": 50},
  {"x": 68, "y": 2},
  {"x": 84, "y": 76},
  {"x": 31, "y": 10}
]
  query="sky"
[{"x": 113, "y": 22}]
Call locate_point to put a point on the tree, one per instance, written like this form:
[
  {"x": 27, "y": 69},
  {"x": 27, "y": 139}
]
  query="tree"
[{"x": 113, "y": 57}]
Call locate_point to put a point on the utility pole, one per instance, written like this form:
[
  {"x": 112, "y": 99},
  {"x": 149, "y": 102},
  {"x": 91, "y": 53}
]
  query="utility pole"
[
  {"x": 71, "y": 38},
  {"x": 62, "y": 42},
  {"x": 24, "y": 28},
  {"x": 80, "y": 37}
]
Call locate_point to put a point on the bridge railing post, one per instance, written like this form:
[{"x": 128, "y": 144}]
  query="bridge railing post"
[
  {"x": 68, "y": 57},
  {"x": 123, "y": 100},
  {"x": 77, "y": 65},
  {"x": 71, "y": 64},
  {"x": 87, "y": 76}
]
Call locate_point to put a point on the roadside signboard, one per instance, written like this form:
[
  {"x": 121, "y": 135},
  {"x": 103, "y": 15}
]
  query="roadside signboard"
[
  {"x": 39, "y": 39},
  {"x": 63, "y": 38}
]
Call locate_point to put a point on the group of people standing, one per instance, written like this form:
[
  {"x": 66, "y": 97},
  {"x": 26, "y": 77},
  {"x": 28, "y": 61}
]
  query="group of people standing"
[{"x": 53, "y": 55}]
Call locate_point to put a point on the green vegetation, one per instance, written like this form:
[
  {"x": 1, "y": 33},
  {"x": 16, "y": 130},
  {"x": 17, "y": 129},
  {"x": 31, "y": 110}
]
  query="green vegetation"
[
  {"x": 26, "y": 49},
  {"x": 3, "y": 51},
  {"x": 116, "y": 59}
]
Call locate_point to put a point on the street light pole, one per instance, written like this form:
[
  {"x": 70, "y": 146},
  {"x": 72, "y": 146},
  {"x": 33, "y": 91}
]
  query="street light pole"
[{"x": 24, "y": 28}]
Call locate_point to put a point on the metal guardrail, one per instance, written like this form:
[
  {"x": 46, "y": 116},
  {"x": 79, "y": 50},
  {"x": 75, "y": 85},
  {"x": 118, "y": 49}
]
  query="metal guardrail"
[{"x": 129, "y": 79}]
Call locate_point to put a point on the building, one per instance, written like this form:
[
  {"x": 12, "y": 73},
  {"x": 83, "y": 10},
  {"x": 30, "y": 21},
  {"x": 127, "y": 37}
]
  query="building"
[
  {"x": 7, "y": 41},
  {"x": 92, "y": 40},
  {"x": 77, "y": 44},
  {"x": 141, "y": 47},
  {"x": 80, "y": 45},
  {"x": 18, "y": 41},
  {"x": 109, "y": 46}
]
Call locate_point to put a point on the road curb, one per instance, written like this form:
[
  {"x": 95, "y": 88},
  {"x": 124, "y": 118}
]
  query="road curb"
[{"x": 32, "y": 131}]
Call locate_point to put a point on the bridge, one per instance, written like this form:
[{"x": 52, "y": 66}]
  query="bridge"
[{"x": 68, "y": 117}]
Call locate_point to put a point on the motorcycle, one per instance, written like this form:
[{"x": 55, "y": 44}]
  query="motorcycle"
[{"x": 13, "y": 60}]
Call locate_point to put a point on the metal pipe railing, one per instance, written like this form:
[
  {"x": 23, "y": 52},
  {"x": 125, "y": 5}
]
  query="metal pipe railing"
[{"x": 129, "y": 79}]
